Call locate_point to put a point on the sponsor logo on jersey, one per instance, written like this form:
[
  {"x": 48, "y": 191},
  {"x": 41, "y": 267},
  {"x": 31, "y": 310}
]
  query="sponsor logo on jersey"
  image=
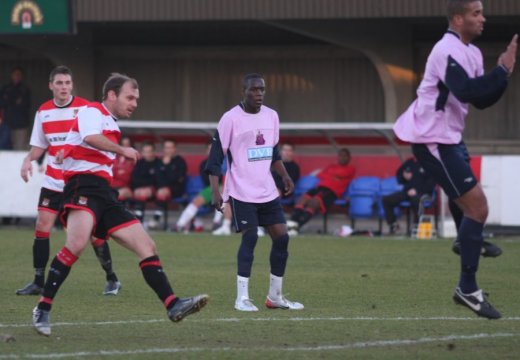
[{"x": 258, "y": 154}]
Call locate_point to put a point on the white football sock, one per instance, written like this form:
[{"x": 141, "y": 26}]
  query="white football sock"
[
  {"x": 217, "y": 218},
  {"x": 275, "y": 287},
  {"x": 242, "y": 287},
  {"x": 187, "y": 215}
]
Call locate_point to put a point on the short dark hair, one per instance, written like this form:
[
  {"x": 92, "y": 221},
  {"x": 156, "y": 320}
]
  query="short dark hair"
[
  {"x": 115, "y": 82},
  {"x": 288, "y": 144},
  {"x": 60, "y": 69},
  {"x": 245, "y": 80},
  {"x": 344, "y": 150},
  {"x": 457, "y": 7},
  {"x": 148, "y": 143}
]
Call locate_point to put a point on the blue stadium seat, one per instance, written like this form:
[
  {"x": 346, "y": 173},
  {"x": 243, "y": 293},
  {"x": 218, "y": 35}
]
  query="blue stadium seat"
[
  {"x": 304, "y": 184},
  {"x": 389, "y": 186},
  {"x": 364, "y": 195}
]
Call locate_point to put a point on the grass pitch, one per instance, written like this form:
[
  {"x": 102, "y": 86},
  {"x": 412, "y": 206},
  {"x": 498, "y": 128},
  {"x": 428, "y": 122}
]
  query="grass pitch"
[{"x": 364, "y": 298}]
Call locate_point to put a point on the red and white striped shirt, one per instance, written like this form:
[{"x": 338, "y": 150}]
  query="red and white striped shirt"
[
  {"x": 81, "y": 158},
  {"x": 51, "y": 126}
]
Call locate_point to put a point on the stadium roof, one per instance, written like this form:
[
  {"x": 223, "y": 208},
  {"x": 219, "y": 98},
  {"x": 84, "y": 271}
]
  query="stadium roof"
[{"x": 203, "y": 10}]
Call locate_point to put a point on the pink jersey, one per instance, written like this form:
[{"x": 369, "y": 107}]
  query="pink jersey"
[
  {"x": 425, "y": 121},
  {"x": 81, "y": 158},
  {"x": 51, "y": 126},
  {"x": 248, "y": 140}
]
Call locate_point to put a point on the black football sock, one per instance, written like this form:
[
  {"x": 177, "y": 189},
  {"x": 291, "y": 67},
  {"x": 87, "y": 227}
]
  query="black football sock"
[
  {"x": 470, "y": 237},
  {"x": 279, "y": 255},
  {"x": 58, "y": 272},
  {"x": 104, "y": 257},
  {"x": 41, "y": 246},
  {"x": 156, "y": 278},
  {"x": 245, "y": 255}
]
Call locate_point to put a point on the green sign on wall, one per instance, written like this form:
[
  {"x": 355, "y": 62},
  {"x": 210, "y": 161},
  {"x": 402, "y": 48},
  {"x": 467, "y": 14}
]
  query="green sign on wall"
[{"x": 36, "y": 17}]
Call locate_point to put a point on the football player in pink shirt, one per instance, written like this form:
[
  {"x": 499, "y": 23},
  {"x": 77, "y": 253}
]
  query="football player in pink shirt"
[
  {"x": 454, "y": 78},
  {"x": 248, "y": 134}
]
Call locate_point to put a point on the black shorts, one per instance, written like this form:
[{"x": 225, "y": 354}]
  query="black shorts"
[
  {"x": 93, "y": 194},
  {"x": 247, "y": 215},
  {"x": 325, "y": 195},
  {"x": 50, "y": 201},
  {"x": 448, "y": 165}
]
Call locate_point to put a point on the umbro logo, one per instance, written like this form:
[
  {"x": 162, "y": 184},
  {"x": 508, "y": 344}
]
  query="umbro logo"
[
  {"x": 468, "y": 179},
  {"x": 243, "y": 222}
]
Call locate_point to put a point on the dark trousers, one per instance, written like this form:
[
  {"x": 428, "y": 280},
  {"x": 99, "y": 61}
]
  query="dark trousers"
[{"x": 393, "y": 200}]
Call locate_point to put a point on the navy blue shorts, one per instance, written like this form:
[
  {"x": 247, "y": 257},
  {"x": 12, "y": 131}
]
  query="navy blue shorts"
[
  {"x": 247, "y": 215},
  {"x": 50, "y": 200},
  {"x": 93, "y": 194},
  {"x": 448, "y": 165}
]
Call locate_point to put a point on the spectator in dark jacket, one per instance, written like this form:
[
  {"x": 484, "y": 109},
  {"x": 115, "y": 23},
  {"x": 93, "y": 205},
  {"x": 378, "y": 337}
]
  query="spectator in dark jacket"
[
  {"x": 293, "y": 169},
  {"x": 144, "y": 178},
  {"x": 15, "y": 102},
  {"x": 416, "y": 183}
]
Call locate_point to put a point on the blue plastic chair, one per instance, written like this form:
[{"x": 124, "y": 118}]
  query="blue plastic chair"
[
  {"x": 389, "y": 186},
  {"x": 304, "y": 184},
  {"x": 364, "y": 194}
]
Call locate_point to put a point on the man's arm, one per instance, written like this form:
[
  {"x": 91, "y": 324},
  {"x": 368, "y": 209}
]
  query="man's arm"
[
  {"x": 213, "y": 169},
  {"x": 101, "y": 142},
  {"x": 482, "y": 91},
  {"x": 287, "y": 181},
  {"x": 34, "y": 154}
]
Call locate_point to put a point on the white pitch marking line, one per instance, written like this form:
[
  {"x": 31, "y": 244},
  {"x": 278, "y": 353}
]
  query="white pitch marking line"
[
  {"x": 356, "y": 345},
  {"x": 296, "y": 319}
]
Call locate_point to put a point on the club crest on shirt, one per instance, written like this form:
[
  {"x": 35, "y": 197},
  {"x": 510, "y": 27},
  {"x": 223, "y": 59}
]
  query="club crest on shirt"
[
  {"x": 46, "y": 202},
  {"x": 83, "y": 200},
  {"x": 260, "y": 138}
]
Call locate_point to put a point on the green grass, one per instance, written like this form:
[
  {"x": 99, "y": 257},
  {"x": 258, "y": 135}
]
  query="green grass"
[{"x": 364, "y": 298}]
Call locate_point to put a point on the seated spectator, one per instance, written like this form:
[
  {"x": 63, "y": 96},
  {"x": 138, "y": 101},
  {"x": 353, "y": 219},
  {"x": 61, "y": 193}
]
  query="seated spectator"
[
  {"x": 287, "y": 153},
  {"x": 202, "y": 198},
  {"x": 171, "y": 179},
  {"x": 122, "y": 171},
  {"x": 333, "y": 181},
  {"x": 144, "y": 178},
  {"x": 415, "y": 183}
]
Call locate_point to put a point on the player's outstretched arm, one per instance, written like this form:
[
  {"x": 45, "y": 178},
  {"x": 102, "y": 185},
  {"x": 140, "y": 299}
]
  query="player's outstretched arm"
[
  {"x": 101, "y": 142},
  {"x": 26, "y": 169}
]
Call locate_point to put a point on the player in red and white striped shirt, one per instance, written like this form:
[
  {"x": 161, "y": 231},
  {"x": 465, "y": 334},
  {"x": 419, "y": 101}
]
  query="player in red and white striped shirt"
[
  {"x": 52, "y": 123},
  {"x": 91, "y": 205}
]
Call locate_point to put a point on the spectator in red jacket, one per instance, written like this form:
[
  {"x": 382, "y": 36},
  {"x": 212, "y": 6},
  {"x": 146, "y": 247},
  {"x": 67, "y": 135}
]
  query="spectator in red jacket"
[{"x": 334, "y": 180}]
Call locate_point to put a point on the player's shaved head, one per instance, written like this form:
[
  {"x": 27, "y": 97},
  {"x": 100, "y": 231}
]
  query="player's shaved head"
[
  {"x": 457, "y": 7},
  {"x": 115, "y": 82},
  {"x": 249, "y": 77}
]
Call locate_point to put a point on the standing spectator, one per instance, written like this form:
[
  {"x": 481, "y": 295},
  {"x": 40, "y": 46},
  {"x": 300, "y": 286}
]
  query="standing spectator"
[
  {"x": 333, "y": 181},
  {"x": 454, "y": 78},
  {"x": 171, "y": 179},
  {"x": 249, "y": 133},
  {"x": 123, "y": 168},
  {"x": 293, "y": 169},
  {"x": 416, "y": 183},
  {"x": 144, "y": 178},
  {"x": 15, "y": 101},
  {"x": 5, "y": 134}
]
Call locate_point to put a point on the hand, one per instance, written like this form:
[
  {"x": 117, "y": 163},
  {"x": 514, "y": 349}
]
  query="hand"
[
  {"x": 508, "y": 57},
  {"x": 26, "y": 170},
  {"x": 217, "y": 201},
  {"x": 407, "y": 175},
  {"x": 288, "y": 185},
  {"x": 412, "y": 192},
  {"x": 130, "y": 153}
]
